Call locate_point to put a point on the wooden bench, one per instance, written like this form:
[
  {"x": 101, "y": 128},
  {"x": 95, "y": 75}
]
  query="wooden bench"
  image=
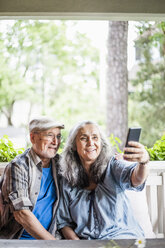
[
  {"x": 155, "y": 194},
  {"x": 155, "y": 191}
]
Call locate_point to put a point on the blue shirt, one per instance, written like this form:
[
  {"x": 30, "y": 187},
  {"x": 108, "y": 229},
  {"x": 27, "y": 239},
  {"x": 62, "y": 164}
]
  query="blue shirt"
[
  {"x": 43, "y": 209},
  {"x": 104, "y": 213}
]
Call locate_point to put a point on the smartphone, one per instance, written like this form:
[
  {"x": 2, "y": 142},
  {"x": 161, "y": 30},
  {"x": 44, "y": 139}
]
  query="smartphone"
[{"x": 133, "y": 135}]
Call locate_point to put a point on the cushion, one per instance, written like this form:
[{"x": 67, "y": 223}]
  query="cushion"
[{"x": 139, "y": 205}]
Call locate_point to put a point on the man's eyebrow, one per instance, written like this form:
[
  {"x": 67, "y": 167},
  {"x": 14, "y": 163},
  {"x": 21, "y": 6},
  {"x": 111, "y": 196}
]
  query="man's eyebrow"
[{"x": 53, "y": 133}]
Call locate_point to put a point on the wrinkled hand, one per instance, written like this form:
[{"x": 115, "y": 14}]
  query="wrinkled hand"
[{"x": 137, "y": 153}]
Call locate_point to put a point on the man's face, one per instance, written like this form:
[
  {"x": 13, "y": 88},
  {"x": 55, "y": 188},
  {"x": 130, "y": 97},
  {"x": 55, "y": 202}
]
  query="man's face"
[{"x": 46, "y": 143}]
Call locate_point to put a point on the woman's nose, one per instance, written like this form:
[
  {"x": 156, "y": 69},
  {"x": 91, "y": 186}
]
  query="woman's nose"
[{"x": 90, "y": 141}]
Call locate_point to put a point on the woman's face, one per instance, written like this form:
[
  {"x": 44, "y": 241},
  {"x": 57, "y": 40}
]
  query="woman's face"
[{"x": 88, "y": 143}]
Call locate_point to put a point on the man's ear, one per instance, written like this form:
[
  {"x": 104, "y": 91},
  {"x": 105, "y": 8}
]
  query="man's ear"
[{"x": 32, "y": 138}]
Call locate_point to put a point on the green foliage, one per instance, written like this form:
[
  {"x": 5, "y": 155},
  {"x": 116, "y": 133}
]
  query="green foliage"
[
  {"x": 146, "y": 103},
  {"x": 41, "y": 61},
  {"x": 115, "y": 141},
  {"x": 7, "y": 150},
  {"x": 157, "y": 152},
  {"x": 63, "y": 140},
  {"x": 12, "y": 89}
]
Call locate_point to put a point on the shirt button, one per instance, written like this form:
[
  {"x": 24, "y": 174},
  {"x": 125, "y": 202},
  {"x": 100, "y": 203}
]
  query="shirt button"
[
  {"x": 39, "y": 178},
  {"x": 36, "y": 193}
]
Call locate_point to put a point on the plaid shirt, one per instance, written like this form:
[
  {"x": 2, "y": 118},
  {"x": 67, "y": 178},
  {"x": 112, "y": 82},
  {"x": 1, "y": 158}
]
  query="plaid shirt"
[{"x": 19, "y": 189}]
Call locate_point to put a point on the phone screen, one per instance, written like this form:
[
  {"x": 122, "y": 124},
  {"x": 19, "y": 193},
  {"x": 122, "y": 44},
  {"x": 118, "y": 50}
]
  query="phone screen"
[{"x": 133, "y": 134}]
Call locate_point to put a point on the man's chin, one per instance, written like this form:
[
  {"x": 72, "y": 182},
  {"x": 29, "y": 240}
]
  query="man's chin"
[{"x": 51, "y": 155}]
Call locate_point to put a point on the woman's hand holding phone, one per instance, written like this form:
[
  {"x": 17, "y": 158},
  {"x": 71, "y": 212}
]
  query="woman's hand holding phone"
[
  {"x": 133, "y": 135},
  {"x": 134, "y": 151}
]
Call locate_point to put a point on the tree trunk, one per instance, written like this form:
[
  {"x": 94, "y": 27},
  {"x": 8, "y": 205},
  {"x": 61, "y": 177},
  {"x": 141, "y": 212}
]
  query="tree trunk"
[
  {"x": 117, "y": 80},
  {"x": 8, "y": 113}
]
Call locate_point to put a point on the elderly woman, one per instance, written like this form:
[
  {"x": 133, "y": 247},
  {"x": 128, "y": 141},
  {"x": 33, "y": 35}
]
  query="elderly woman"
[{"x": 93, "y": 203}]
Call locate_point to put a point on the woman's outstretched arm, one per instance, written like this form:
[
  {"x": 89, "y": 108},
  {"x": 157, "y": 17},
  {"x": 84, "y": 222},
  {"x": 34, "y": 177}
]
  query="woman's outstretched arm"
[{"x": 139, "y": 154}]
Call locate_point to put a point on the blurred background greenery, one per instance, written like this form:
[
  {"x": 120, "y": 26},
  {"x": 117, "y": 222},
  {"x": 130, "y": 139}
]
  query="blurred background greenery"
[{"x": 51, "y": 68}]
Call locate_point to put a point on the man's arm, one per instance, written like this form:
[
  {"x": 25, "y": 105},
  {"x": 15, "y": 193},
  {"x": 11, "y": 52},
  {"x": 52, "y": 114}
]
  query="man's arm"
[
  {"x": 31, "y": 224},
  {"x": 68, "y": 233},
  {"x": 140, "y": 155}
]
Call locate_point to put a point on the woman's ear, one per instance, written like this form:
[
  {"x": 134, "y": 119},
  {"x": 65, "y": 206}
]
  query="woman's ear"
[{"x": 74, "y": 148}]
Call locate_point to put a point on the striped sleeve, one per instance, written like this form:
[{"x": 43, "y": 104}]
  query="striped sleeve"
[{"x": 15, "y": 186}]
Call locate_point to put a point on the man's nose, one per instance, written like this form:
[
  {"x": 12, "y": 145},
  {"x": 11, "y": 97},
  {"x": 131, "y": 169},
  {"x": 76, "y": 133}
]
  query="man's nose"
[{"x": 55, "y": 140}]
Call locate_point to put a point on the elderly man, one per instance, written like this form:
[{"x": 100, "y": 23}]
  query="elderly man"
[{"x": 29, "y": 187}]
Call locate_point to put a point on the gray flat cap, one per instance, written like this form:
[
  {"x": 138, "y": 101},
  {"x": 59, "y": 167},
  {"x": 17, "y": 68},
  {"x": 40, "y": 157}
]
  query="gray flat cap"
[{"x": 43, "y": 123}]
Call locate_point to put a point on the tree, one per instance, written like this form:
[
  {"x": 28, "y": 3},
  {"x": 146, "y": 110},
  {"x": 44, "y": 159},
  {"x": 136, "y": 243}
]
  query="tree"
[
  {"x": 12, "y": 89},
  {"x": 149, "y": 85},
  {"x": 13, "y": 68},
  {"x": 117, "y": 90},
  {"x": 47, "y": 63}
]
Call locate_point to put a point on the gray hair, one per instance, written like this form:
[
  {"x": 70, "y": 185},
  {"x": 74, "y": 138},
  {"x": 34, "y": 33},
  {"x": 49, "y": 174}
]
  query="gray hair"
[
  {"x": 43, "y": 123},
  {"x": 70, "y": 165}
]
